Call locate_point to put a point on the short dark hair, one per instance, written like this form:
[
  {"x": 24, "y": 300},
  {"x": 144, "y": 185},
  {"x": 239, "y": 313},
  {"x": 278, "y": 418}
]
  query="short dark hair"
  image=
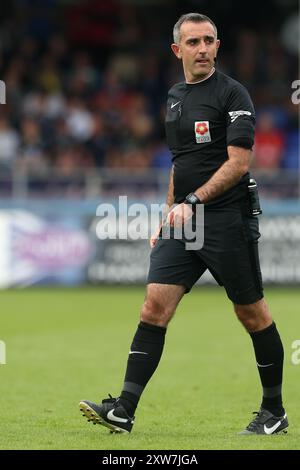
[{"x": 194, "y": 17}]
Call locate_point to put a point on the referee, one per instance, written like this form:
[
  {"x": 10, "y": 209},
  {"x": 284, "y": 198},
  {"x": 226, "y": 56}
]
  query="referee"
[{"x": 210, "y": 131}]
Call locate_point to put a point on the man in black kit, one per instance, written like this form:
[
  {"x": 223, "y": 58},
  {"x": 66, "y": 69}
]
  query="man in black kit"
[{"x": 210, "y": 131}]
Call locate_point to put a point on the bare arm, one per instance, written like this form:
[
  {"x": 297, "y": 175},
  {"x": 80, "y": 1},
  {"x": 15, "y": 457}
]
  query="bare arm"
[
  {"x": 227, "y": 175},
  {"x": 224, "y": 178},
  {"x": 170, "y": 195},
  {"x": 169, "y": 203}
]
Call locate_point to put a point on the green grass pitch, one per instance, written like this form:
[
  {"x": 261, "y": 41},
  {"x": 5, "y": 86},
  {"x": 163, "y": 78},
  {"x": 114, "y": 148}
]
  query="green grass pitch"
[{"x": 64, "y": 345}]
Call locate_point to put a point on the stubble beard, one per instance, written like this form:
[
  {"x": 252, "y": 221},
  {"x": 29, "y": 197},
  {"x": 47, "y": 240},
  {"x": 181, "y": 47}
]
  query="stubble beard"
[{"x": 198, "y": 75}]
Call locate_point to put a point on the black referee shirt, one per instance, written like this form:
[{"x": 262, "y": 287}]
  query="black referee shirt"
[{"x": 202, "y": 120}]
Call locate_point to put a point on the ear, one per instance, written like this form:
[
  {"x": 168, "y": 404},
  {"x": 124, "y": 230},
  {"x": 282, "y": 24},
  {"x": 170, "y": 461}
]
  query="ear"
[
  {"x": 176, "y": 49},
  {"x": 218, "y": 42}
]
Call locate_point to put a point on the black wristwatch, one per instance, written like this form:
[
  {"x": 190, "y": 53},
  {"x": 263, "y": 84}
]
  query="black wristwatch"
[{"x": 192, "y": 199}]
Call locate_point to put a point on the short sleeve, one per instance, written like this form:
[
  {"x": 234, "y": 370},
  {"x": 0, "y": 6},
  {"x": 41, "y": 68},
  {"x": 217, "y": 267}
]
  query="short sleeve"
[{"x": 240, "y": 118}]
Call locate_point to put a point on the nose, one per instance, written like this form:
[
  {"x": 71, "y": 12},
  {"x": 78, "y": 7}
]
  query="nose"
[{"x": 202, "y": 47}]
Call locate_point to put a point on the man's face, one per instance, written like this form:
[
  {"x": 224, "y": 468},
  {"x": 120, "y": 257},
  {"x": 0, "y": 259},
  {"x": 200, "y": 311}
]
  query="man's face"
[{"x": 197, "y": 48}]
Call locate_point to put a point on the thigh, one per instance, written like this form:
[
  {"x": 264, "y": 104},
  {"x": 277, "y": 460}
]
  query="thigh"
[{"x": 171, "y": 263}]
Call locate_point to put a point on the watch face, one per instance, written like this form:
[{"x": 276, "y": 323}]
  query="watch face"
[{"x": 192, "y": 199}]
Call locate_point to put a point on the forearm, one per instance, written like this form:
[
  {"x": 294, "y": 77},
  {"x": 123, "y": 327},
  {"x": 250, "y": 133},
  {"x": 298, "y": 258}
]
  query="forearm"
[
  {"x": 170, "y": 194},
  {"x": 226, "y": 176},
  {"x": 166, "y": 209},
  {"x": 170, "y": 198}
]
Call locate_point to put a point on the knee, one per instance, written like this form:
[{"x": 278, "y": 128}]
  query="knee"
[
  {"x": 247, "y": 317},
  {"x": 254, "y": 317},
  {"x": 155, "y": 312}
]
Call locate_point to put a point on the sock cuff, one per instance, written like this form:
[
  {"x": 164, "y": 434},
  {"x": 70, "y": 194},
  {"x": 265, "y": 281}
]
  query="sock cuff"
[
  {"x": 270, "y": 329},
  {"x": 161, "y": 330}
]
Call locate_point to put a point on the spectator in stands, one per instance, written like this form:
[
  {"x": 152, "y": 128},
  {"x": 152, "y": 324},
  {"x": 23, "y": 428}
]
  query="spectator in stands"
[
  {"x": 9, "y": 143},
  {"x": 269, "y": 143},
  {"x": 32, "y": 155},
  {"x": 87, "y": 77}
]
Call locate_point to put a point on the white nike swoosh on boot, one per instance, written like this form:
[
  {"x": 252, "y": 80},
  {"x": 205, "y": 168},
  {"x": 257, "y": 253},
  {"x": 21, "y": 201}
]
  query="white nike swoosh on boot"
[
  {"x": 112, "y": 417},
  {"x": 273, "y": 428}
]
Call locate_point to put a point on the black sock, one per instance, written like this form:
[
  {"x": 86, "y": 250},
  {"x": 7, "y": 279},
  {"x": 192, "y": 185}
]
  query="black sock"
[
  {"x": 144, "y": 356},
  {"x": 269, "y": 356}
]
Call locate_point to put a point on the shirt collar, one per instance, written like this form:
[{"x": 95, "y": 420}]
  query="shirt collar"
[{"x": 203, "y": 79}]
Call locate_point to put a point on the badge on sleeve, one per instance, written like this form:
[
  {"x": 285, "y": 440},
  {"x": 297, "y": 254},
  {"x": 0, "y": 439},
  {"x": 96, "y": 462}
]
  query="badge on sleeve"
[{"x": 202, "y": 133}]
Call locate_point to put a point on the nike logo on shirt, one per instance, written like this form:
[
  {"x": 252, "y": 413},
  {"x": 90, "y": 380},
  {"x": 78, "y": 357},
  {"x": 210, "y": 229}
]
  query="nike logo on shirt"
[{"x": 174, "y": 104}]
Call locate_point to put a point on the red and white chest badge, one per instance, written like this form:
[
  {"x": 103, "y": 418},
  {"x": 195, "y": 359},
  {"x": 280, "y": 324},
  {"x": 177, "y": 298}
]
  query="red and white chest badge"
[{"x": 202, "y": 133}]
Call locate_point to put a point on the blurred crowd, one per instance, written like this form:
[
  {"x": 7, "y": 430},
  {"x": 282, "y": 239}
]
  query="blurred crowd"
[{"x": 86, "y": 84}]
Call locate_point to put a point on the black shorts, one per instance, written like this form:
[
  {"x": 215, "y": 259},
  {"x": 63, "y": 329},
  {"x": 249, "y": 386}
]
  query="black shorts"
[{"x": 229, "y": 252}]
